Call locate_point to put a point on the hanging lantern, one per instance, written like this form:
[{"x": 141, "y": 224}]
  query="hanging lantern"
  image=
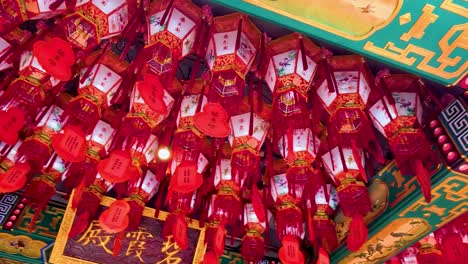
[
  {"x": 139, "y": 193},
  {"x": 292, "y": 62},
  {"x": 451, "y": 238},
  {"x": 8, "y": 41},
  {"x": 36, "y": 149},
  {"x": 98, "y": 146},
  {"x": 43, "y": 187},
  {"x": 11, "y": 15},
  {"x": 41, "y": 9},
  {"x": 172, "y": 32},
  {"x": 88, "y": 204},
  {"x": 326, "y": 202},
  {"x": 93, "y": 21},
  {"x": 398, "y": 116},
  {"x": 231, "y": 50},
  {"x": 249, "y": 131},
  {"x": 428, "y": 251},
  {"x": 344, "y": 84},
  {"x": 187, "y": 135},
  {"x": 299, "y": 147},
  {"x": 289, "y": 219},
  {"x": 252, "y": 243},
  {"x": 227, "y": 204},
  {"x": 345, "y": 167}
]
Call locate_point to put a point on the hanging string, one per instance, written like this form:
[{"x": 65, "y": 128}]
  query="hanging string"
[
  {"x": 166, "y": 13},
  {"x": 239, "y": 34}
]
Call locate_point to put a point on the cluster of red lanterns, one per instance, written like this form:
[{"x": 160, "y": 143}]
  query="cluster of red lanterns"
[{"x": 136, "y": 128}]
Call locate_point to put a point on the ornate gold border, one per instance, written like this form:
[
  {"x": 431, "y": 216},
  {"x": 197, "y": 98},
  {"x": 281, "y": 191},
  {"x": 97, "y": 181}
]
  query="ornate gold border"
[
  {"x": 325, "y": 27},
  {"x": 58, "y": 257}
]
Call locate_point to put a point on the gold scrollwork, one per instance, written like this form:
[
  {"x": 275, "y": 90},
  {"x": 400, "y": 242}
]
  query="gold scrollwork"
[
  {"x": 449, "y": 190},
  {"x": 418, "y": 29},
  {"x": 449, "y": 5},
  {"x": 448, "y": 44}
]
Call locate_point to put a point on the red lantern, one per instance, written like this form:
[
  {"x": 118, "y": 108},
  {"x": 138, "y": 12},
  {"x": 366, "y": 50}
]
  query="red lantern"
[
  {"x": 290, "y": 227},
  {"x": 252, "y": 242},
  {"x": 139, "y": 193},
  {"x": 291, "y": 66},
  {"x": 344, "y": 85},
  {"x": 11, "y": 15},
  {"x": 98, "y": 146},
  {"x": 326, "y": 202},
  {"x": 172, "y": 32},
  {"x": 249, "y": 131},
  {"x": 231, "y": 50},
  {"x": 89, "y": 203},
  {"x": 97, "y": 20},
  {"x": 344, "y": 165},
  {"x": 36, "y": 149},
  {"x": 398, "y": 116}
]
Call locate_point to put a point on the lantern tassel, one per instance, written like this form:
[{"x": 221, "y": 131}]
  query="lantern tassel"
[
  {"x": 323, "y": 257},
  {"x": 166, "y": 13},
  {"x": 305, "y": 65},
  {"x": 424, "y": 179},
  {"x": 239, "y": 34},
  {"x": 77, "y": 195},
  {"x": 310, "y": 225},
  {"x": 358, "y": 159},
  {"x": 117, "y": 244},
  {"x": 357, "y": 233},
  {"x": 82, "y": 221},
  {"x": 257, "y": 203}
]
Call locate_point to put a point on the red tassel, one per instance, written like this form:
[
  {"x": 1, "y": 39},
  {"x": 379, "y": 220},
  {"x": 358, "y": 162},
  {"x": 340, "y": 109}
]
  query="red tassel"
[
  {"x": 358, "y": 160},
  {"x": 357, "y": 233},
  {"x": 81, "y": 223},
  {"x": 166, "y": 13},
  {"x": 117, "y": 244},
  {"x": 32, "y": 224},
  {"x": 239, "y": 33},
  {"x": 77, "y": 195},
  {"x": 136, "y": 211},
  {"x": 424, "y": 179},
  {"x": 290, "y": 153},
  {"x": 323, "y": 257},
  {"x": 257, "y": 203},
  {"x": 179, "y": 231},
  {"x": 210, "y": 258},
  {"x": 219, "y": 240},
  {"x": 310, "y": 226}
]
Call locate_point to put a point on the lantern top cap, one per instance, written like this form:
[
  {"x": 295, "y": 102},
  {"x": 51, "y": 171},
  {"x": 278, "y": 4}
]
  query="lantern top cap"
[
  {"x": 231, "y": 22},
  {"x": 346, "y": 62},
  {"x": 110, "y": 60},
  {"x": 402, "y": 83},
  {"x": 189, "y": 9},
  {"x": 291, "y": 41}
]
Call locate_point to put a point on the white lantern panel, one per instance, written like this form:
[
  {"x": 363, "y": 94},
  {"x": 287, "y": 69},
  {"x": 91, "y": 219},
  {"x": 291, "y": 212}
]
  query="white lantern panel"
[
  {"x": 241, "y": 123},
  {"x": 187, "y": 46},
  {"x": 4, "y": 47},
  {"x": 11, "y": 155},
  {"x": 225, "y": 42},
  {"x": 325, "y": 95},
  {"x": 303, "y": 140},
  {"x": 104, "y": 79},
  {"x": 108, "y": 184},
  {"x": 364, "y": 89},
  {"x": 321, "y": 199},
  {"x": 246, "y": 50},
  {"x": 150, "y": 184},
  {"x": 223, "y": 171},
  {"x": 311, "y": 65},
  {"x": 59, "y": 165},
  {"x": 107, "y": 6},
  {"x": 250, "y": 216},
  {"x": 81, "y": 2},
  {"x": 405, "y": 103},
  {"x": 280, "y": 187},
  {"x": 28, "y": 59},
  {"x": 202, "y": 163},
  {"x": 419, "y": 109},
  {"x": 52, "y": 119},
  {"x": 347, "y": 81},
  {"x": 151, "y": 148},
  {"x": 189, "y": 106},
  {"x": 379, "y": 115},
  {"x": 210, "y": 54},
  {"x": 103, "y": 134},
  {"x": 44, "y": 7},
  {"x": 337, "y": 166},
  {"x": 117, "y": 21},
  {"x": 285, "y": 63},
  {"x": 179, "y": 24},
  {"x": 270, "y": 76},
  {"x": 154, "y": 23}
]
